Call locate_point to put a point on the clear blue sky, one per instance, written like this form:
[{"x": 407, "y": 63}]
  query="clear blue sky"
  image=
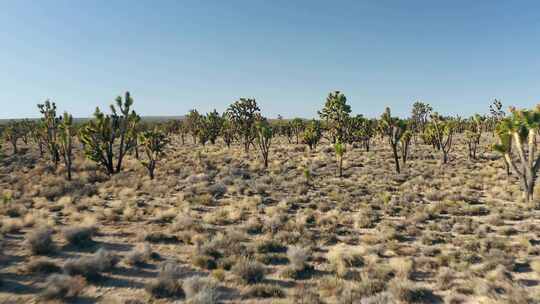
[{"x": 178, "y": 55}]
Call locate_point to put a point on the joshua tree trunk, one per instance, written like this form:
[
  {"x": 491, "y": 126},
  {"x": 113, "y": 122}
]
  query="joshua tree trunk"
[{"x": 396, "y": 158}]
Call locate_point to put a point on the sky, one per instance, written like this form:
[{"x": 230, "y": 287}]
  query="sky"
[{"x": 177, "y": 55}]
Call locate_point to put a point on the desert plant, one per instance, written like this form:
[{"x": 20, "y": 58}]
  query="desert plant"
[
  {"x": 405, "y": 142},
  {"x": 336, "y": 114},
  {"x": 393, "y": 128},
  {"x": 264, "y": 139},
  {"x": 340, "y": 150},
  {"x": 472, "y": 139},
  {"x": 91, "y": 267},
  {"x": 244, "y": 115},
  {"x": 166, "y": 285},
  {"x": 420, "y": 114},
  {"x": 312, "y": 134},
  {"x": 193, "y": 122},
  {"x": 60, "y": 286},
  {"x": 106, "y": 137},
  {"x": 65, "y": 138},
  {"x": 443, "y": 130},
  {"x": 519, "y": 132},
  {"x": 12, "y": 133},
  {"x": 79, "y": 235},
  {"x": 213, "y": 124},
  {"x": 40, "y": 241},
  {"x": 228, "y": 132},
  {"x": 297, "y": 126},
  {"x": 50, "y": 123},
  {"x": 154, "y": 143},
  {"x": 249, "y": 271}
]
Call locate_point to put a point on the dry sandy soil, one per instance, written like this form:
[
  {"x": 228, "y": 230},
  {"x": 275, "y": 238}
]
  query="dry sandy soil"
[{"x": 213, "y": 227}]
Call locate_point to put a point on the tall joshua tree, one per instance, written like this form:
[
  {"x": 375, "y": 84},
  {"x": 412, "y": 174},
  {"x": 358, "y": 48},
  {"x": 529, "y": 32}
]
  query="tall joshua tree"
[
  {"x": 106, "y": 138},
  {"x": 264, "y": 139},
  {"x": 519, "y": 133},
  {"x": 244, "y": 114},
  {"x": 65, "y": 144},
  {"x": 50, "y": 124},
  {"x": 153, "y": 143},
  {"x": 336, "y": 115},
  {"x": 443, "y": 130},
  {"x": 392, "y": 128}
]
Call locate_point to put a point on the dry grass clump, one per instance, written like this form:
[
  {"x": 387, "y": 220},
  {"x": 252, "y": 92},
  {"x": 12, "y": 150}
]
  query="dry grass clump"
[
  {"x": 91, "y": 267},
  {"x": 167, "y": 284},
  {"x": 63, "y": 287},
  {"x": 139, "y": 255},
  {"x": 249, "y": 271},
  {"x": 535, "y": 266},
  {"x": 79, "y": 236},
  {"x": 40, "y": 241},
  {"x": 200, "y": 290},
  {"x": 402, "y": 266},
  {"x": 298, "y": 266},
  {"x": 405, "y": 291},
  {"x": 263, "y": 291},
  {"x": 42, "y": 266},
  {"x": 11, "y": 225},
  {"x": 342, "y": 258}
]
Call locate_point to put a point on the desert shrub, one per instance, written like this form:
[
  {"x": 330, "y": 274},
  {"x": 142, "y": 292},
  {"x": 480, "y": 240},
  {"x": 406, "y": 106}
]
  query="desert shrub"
[
  {"x": 366, "y": 218},
  {"x": 269, "y": 245},
  {"x": 341, "y": 258},
  {"x": 263, "y": 291},
  {"x": 402, "y": 266},
  {"x": 91, "y": 267},
  {"x": 40, "y": 241},
  {"x": 59, "y": 286},
  {"x": 42, "y": 266},
  {"x": 535, "y": 266},
  {"x": 445, "y": 278},
  {"x": 405, "y": 291},
  {"x": 204, "y": 262},
  {"x": 159, "y": 237},
  {"x": 167, "y": 284},
  {"x": 194, "y": 286},
  {"x": 79, "y": 235},
  {"x": 249, "y": 271},
  {"x": 139, "y": 255},
  {"x": 298, "y": 257}
]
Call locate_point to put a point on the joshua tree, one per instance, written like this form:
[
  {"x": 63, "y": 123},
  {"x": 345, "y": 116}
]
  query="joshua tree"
[
  {"x": 65, "y": 136},
  {"x": 227, "y": 130},
  {"x": 193, "y": 123},
  {"x": 443, "y": 130},
  {"x": 50, "y": 124},
  {"x": 405, "y": 142},
  {"x": 297, "y": 125},
  {"x": 312, "y": 134},
  {"x": 213, "y": 123},
  {"x": 264, "y": 139},
  {"x": 393, "y": 128},
  {"x": 244, "y": 114},
  {"x": 106, "y": 137},
  {"x": 420, "y": 114},
  {"x": 153, "y": 142},
  {"x": 336, "y": 115},
  {"x": 12, "y": 134},
  {"x": 519, "y": 133},
  {"x": 340, "y": 150},
  {"x": 473, "y": 134}
]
